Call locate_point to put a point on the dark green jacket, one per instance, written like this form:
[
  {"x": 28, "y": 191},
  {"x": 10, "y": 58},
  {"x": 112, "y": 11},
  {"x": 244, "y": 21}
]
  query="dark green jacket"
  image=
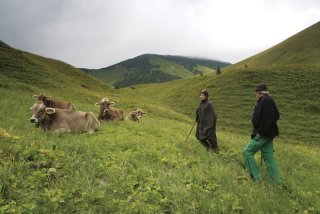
[{"x": 206, "y": 121}]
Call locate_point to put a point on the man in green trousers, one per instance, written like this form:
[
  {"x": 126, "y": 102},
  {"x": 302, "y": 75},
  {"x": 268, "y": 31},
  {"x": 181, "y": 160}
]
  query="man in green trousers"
[{"x": 265, "y": 128}]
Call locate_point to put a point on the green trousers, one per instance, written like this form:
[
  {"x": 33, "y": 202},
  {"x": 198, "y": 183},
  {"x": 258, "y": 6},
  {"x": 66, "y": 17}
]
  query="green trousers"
[{"x": 265, "y": 145}]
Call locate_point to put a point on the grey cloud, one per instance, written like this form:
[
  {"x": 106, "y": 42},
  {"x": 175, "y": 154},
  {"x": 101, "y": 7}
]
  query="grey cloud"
[{"x": 98, "y": 33}]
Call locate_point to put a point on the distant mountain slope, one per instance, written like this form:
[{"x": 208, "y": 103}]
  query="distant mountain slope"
[
  {"x": 29, "y": 72},
  {"x": 151, "y": 68},
  {"x": 301, "y": 49}
]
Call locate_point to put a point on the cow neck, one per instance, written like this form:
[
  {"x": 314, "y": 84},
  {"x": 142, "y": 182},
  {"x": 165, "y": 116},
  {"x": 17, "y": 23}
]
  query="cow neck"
[
  {"x": 101, "y": 114},
  {"x": 48, "y": 120},
  {"x": 107, "y": 116}
]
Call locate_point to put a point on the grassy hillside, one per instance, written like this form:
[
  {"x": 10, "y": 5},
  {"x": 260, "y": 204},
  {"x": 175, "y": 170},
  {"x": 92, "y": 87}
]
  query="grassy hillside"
[
  {"x": 20, "y": 70},
  {"x": 151, "y": 68},
  {"x": 300, "y": 49},
  {"x": 147, "y": 167},
  {"x": 295, "y": 89}
]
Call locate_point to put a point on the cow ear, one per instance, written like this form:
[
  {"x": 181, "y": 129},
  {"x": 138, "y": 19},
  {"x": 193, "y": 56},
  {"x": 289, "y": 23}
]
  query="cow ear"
[
  {"x": 50, "y": 110},
  {"x": 35, "y": 96},
  {"x": 98, "y": 104},
  {"x": 112, "y": 103}
]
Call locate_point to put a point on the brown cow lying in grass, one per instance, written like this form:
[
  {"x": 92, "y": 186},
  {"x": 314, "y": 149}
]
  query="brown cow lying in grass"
[
  {"x": 136, "y": 115},
  {"x": 48, "y": 102},
  {"x": 107, "y": 112},
  {"x": 63, "y": 120}
]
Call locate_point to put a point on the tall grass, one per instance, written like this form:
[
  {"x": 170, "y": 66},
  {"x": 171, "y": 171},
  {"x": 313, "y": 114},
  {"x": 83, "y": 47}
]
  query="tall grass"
[{"x": 143, "y": 167}]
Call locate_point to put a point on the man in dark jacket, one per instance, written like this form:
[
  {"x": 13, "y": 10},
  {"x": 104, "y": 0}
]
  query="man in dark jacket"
[
  {"x": 265, "y": 128},
  {"x": 206, "y": 123}
]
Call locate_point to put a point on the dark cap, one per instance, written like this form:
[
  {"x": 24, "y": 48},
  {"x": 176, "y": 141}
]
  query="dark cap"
[
  {"x": 261, "y": 87},
  {"x": 205, "y": 93}
]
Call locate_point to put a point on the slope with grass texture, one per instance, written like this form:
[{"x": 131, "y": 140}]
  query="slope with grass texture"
[
  {"x": 300, "y": 49},
  {"x": 147, "y": 167}
]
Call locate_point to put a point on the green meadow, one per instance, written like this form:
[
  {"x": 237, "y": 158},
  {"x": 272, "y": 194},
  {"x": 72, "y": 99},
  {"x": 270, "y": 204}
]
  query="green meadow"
[
  {"x": 147, "y": 167},
  {"x": 144, "y": 167}
]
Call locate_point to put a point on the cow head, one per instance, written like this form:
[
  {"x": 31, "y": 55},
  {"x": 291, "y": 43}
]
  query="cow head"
[
  {"x": 42, "y": 97},
  {"x": 139, "y": 113},
  {"x": 39, "y": 112},
  {"x": 105, "y": 105}
]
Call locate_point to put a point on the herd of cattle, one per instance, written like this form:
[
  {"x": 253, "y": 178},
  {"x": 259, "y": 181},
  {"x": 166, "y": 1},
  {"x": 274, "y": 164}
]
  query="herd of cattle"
[{"x": 61, "y": 117}]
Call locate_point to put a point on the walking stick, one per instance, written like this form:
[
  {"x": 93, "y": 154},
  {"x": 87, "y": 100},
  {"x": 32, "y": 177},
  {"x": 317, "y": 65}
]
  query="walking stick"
[{"x": 190, "y": 130}]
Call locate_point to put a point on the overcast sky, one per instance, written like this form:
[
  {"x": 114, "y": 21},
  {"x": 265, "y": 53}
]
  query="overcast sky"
[{"x": 99, "y": 33}]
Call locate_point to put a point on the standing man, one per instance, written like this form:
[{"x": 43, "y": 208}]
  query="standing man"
[
  {"x": 265, "y": 128},
  {"x": 206, "y": 123}
]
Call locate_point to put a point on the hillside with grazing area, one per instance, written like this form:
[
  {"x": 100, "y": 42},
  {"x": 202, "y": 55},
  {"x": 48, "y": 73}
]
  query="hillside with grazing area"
[
  {"x": 152, "y": 68},
  {"x": 23, "y": 71},
  {"x": 301, "y": 49},
  {"x": 147, "y": 166}
]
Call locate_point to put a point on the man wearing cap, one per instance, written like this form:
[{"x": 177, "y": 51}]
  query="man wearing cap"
[
  {"x": 265, "y": 128},
  {"x": 206, "y": 119}
]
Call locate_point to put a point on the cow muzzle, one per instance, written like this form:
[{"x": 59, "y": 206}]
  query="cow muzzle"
[
  {"x": 105, "y": 111},
  {"x": 33, "y": 120}
]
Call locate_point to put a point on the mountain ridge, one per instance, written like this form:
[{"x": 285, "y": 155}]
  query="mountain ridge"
[{"x": 154, "y": 68}]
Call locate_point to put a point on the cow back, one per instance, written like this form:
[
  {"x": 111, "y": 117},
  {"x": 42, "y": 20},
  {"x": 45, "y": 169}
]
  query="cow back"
[
  {"x": 58, "y": 104},
  {"x": 71, "y": 121}
]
